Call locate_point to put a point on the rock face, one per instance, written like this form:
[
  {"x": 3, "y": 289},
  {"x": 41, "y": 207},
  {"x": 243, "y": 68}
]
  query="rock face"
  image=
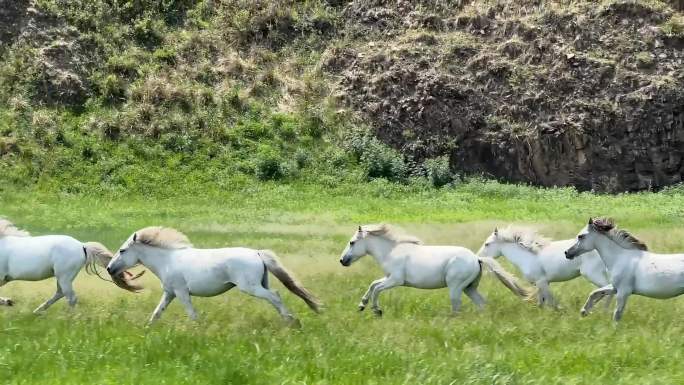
[
  {"x": 51, "y": 51},
  {"x": 591, "y": 96}
]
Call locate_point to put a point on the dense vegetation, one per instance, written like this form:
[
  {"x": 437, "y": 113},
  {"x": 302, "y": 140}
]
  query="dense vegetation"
[
  {"x": 138, "y": 96},
  {"x": 117, "y": 95}
]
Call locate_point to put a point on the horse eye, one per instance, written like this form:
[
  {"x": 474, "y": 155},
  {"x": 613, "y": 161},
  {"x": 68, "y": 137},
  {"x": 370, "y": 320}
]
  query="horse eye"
[
  {"x": 581, "y": 236},
  {"x": 122, "y": 251},
  {"x": 351, "y": 243}
]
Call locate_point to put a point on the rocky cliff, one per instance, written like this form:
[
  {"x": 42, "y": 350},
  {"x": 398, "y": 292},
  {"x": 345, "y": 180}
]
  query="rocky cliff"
[{"x": 589, "y": 95}]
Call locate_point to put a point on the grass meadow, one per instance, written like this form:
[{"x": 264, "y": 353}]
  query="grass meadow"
[{"x": 241, "y": 340}]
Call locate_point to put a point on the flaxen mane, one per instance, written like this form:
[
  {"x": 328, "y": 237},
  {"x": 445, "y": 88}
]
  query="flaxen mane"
[
  {"x": 606, "y": 226},
  {"x": 525, "y": 237},
  {"x": 390, "y": 233},
  {"x": 8, "y": 228},
  {"x": 162, "y": 237}
]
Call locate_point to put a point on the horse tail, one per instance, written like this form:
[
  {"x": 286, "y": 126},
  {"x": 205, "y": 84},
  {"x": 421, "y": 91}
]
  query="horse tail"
[
  {"x": 276, "y": 268},
  {"x": 98, "y": 254},
  {"x": 508, "y": 279}
]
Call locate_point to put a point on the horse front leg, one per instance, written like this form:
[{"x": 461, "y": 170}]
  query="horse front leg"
[
  {"x": 545, "y": 296},
  {"x": 595, "y": 296},
  {"x": 388, "y": 283},
  {"x": 166, "y": 299},
  {"x": 366, "y": 296},
  {"x": 620, "y": 306},
  {"x": 184, "y": 296}
]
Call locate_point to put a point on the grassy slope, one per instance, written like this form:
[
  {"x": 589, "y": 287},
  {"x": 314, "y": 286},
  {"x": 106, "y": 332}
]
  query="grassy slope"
[{"x": 240, "y": 340}]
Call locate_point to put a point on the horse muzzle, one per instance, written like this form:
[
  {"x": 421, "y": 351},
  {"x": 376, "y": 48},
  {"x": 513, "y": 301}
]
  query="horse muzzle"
[
  {"x": 569, "y": 254},
  {"x": 345, "y": 261}
]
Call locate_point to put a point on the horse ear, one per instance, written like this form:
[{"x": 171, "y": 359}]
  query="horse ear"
[
  {"x": 359, "y": 228},
  {"x": 496, "y": 231},
  {"x": 135, "y": 237},
  {"x": 591, "y": 220}
]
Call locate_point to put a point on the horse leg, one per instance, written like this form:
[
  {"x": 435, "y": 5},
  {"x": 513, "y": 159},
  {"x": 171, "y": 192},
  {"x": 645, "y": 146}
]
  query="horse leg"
[
  {"x": 595, "y": 296},
  {"x": 475, "y": 296},
  {"x": 184, "y": 296},
  {"x": 608, "y": 301},
  {"x": 167, "y": 297},
  {"x": 382, "y": 286},
  {"x": 58, "y": 295},
  {"x": 66, "y": 285},
  {"x": 5, "y": 301},
  {"x": 596, "y": 274},
  {"x": 545, "y": 296},
  {"x": 364, "y": 299},
  {"x": 270, "y": 296},
  {"x": 620, "y": 306},
  {"x": 455, "y": 293}
]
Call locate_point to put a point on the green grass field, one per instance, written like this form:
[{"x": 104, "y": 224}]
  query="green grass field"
[{"x": 241, "y": 340}]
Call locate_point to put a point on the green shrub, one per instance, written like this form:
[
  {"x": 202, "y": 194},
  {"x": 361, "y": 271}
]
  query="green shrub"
[
  {"x": 302, "y": 158},
  {"x": 165, "y": 55},
  {"x": 382, "y": 161},
  {"x": 269, "y": 164},
  {"x": 149, "y": 32},
  {"x": 112, "y": 88},
  {"x": 438, "y": 172}
]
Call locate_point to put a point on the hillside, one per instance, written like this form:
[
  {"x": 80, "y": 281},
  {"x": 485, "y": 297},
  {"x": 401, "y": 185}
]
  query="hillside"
[{"x": 122, "y": 95}]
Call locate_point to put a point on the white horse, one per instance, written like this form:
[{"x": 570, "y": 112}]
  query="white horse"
[
  {"x": 633, "y": 269},
  {"x": 542, "y": 261},
  {"x": 185, "y": 271},
  {"x": 27, "y": 258},
  {"x": 406, "y": 262}
]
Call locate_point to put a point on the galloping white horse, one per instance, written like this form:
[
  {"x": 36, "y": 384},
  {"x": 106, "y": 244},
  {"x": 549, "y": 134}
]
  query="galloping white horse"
[
  {"x": 407, "y": 262},
  {"x": 541, "y": 261},
  {"x": 27, "y": 258},
  {"x": 185, "y": 271},
  {"x": 633, "y": 269}
]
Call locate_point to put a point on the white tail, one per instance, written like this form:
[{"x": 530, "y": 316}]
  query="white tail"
[
  {"x": 509, "y": 280},
  {"x": 276, "y": 268},
  {"x": 98, "y": 254}
]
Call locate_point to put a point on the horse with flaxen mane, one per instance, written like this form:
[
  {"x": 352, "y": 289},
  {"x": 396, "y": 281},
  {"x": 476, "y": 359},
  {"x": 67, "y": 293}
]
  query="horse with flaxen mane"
[
  {"x": 34, "y": 258},
  {"x": 186, "y": 271}
]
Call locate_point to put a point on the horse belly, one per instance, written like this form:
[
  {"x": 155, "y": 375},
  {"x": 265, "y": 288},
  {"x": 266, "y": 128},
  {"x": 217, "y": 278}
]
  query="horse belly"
[
  {"x": 427, "y": 274},
  {"x": 30, "y": 269},
  {"x": 661, "y": 286},
  {"x": 209, "y": 288}
]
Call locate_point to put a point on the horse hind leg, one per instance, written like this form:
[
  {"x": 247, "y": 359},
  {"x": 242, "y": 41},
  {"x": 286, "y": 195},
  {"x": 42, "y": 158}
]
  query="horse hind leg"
[
  {"x": 270, "y": 296},
  {"x": 65, "y": 282},
  {"x": 473, "y": 294},
  {"x": 45, "y": 305}
]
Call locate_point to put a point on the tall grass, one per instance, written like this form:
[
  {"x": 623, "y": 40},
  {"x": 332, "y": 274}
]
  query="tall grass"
[{"x": 241, "y": 340}]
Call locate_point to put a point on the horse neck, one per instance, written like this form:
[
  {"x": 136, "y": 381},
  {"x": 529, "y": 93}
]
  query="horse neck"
[
  {"x": 517, "y": 255},
  {"x": 156, "y": 259},
  {"x": 609, "y": 251},
  {"x": 379, "y": 248}
]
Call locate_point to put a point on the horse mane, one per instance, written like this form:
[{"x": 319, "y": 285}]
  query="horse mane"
[
  {"x": 390, "y": 233},
  {"x": 162, "y": 237},
  {"x": 526, "y": 237},
  {"x": 8, "y": 228},
  {"x": 607, "y": 227}
]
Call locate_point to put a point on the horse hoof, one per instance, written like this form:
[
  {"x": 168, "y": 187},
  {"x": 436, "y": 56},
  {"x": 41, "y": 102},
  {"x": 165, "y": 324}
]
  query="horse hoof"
[
  {"x": 9, "y": 302},
  {"x": 377, "y": 312},
  {"x": 362, "y": 307}
]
